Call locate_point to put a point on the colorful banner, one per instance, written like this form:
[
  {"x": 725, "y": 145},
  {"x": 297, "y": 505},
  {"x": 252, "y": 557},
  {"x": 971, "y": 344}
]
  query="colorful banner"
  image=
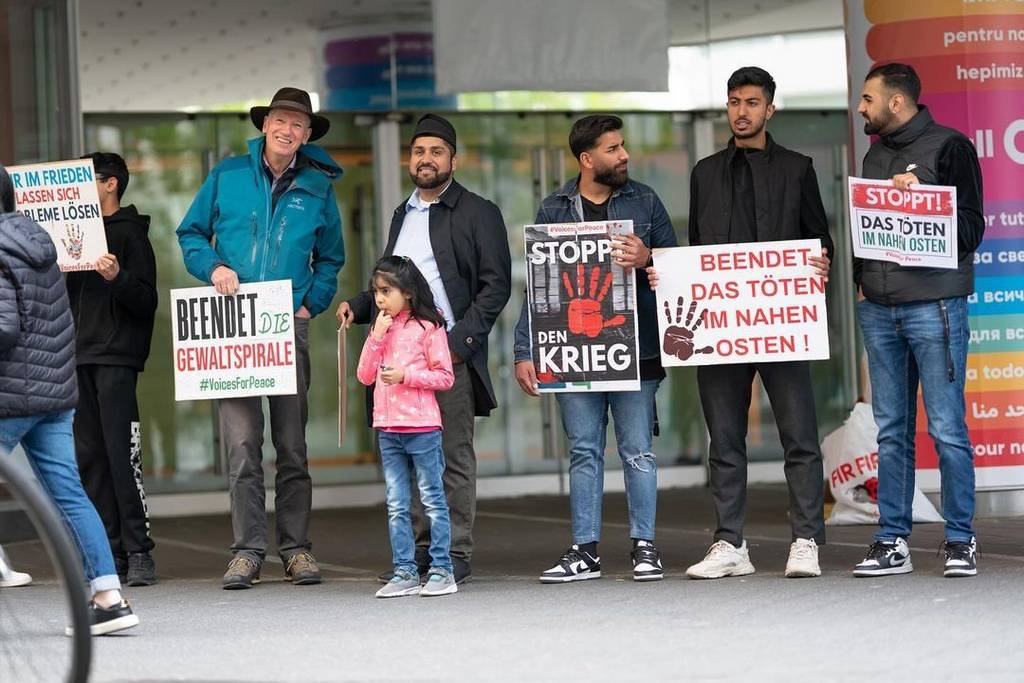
[
  {"x": 368, "y": 69},
  {"x": 970, "y": 57},
  {"x": 63, "y": 199},
  {"x": 915, "y": 227},
  {"x": 757, "y": 302},
  {"x": 582, "y": 307},
  {"x": 233, "y": 346}
]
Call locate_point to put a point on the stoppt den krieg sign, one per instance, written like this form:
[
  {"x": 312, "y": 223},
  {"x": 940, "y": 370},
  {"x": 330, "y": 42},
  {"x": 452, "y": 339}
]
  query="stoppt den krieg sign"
[{"x": 582, "y": 308}]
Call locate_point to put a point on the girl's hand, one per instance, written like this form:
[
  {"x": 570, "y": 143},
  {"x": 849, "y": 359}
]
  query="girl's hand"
[
  {"x": 392, "y": 376},
  {"x": 381, "y": 325}
]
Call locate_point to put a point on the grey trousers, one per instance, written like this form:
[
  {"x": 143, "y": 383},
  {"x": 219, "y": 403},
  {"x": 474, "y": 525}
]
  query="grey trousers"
[
  {"x": 241, "y": 429},
  {"x": 457, "y": 418}
]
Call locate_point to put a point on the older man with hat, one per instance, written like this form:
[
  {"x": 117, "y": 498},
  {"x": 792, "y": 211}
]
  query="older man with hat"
[
  {"x": 271, "y": 215},
  {"x": 457, "y": 239}
]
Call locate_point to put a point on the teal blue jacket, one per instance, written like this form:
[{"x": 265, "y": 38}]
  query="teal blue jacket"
[{"x": 231, "y": 223}]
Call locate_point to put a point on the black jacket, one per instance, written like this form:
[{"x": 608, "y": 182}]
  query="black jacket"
[
  {"x": 937, "y": 156},
  {"x": 37, "y": 336},
  {"x": 467, "y": 234},
  {"x": 787, "y": 201},
  {"x": 114, "y": 320}
]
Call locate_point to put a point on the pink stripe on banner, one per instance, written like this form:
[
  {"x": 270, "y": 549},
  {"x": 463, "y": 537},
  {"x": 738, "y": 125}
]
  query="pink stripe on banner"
[
  {"x": 994, "y": 121},
  {"x": 1005, "y": 219},
  {"x": 352, "y": 51}
]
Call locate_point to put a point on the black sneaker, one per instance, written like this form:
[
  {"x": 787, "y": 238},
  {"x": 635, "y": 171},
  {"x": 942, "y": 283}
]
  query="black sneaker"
[
  {"x": 575, "y": 565},
  {"x": 141, "y": 570},
  {"x": 885, "y": 558},
  {"x": 961, "y": 558},
  {"x": 646, "y": 562},
  {"x": 242, "y": 572},
  {"x": 105, "y": 620}
]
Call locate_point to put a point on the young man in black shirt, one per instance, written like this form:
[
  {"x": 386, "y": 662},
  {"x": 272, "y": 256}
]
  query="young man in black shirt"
[{"x": 758, "y": 191}]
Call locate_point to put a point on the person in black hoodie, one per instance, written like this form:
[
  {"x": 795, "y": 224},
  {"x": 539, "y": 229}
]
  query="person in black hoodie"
[{"x": 113, "y": 308}]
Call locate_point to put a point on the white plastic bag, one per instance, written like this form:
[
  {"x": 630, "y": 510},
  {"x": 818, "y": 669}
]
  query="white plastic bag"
[{"x": 851, "y": 469}]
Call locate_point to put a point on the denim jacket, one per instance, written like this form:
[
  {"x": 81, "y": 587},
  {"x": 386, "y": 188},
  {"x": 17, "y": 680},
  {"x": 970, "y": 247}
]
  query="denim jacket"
[{"x": 633, "y": 201}]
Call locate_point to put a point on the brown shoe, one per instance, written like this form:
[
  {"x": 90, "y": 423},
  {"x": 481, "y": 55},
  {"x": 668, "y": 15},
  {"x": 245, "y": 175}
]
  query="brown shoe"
[
  {"x": 242, "y": 572},
  {"x": 301, "y": 570}
]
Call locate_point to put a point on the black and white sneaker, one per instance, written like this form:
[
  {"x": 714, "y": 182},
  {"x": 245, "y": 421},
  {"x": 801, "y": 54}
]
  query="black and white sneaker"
[
  {"x": 961, "y": 558},
  {"x": 575, "y": 565},
  {"x": 106, "y": 620},
  {"x": 885, "y": 558},
  {"x": 646, "y": 562}
]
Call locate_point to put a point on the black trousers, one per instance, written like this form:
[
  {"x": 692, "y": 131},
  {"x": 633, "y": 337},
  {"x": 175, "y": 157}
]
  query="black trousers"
[
  {"x": 108, "y": 446},
  {"x": 725, "y": 397}
]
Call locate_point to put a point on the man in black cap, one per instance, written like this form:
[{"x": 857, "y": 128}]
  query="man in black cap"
[
  {"x": 457, "y": 239},
  {"x": 271, "y": 215}
]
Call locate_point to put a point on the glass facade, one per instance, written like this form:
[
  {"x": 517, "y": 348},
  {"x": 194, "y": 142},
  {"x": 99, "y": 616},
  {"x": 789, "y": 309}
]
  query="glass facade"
[{"x": 512, "y": 159}]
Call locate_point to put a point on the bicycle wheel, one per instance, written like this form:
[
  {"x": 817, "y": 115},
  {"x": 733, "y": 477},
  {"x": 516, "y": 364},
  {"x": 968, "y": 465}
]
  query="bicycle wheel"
[{"x": 33, "y": 646}]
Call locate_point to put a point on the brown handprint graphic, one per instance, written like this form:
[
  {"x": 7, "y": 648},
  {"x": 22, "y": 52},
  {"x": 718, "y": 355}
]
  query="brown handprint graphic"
[
  {"x": 678, "y": 340},
  {"x": 585, "y": 311},
  {"x": 74, "y": 242}
]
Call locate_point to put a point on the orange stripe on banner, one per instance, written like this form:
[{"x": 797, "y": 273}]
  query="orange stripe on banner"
[
  {"x": 970, "y": 73},
  {"x": 946, "y": 37},
  {"x": 995, "y": 372},
  {"x": 988, "y": 410},
  {"x": 885, "y": 11},
  {"x": 992, "y": 448}
]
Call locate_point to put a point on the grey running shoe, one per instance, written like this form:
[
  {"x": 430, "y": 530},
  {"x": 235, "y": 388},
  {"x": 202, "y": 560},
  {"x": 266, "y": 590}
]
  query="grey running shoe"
[
  {"x": 401, "y": 584},
  {"x": 439, "y": 582}
]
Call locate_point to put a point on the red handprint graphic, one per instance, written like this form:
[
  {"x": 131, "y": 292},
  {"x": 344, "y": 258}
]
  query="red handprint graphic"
[
  {"x": 585, "y": 311},
  {"x": 678, "y": 340}
]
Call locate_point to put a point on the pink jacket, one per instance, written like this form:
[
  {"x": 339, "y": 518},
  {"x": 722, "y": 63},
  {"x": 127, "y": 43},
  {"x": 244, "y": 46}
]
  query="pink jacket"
[{"x": 420, "y": 349}]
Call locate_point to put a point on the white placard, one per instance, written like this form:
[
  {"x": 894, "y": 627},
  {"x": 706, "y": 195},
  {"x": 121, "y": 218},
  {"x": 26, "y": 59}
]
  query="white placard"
[
  {"x": 915, "y": 227},
  {"x": 740, "y": 303},
  {"x": 62, "y": 198},
  {"x": 233, "y": 346}
]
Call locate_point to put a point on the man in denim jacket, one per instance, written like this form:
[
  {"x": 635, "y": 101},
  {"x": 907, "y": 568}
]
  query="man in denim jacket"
[{"x": 603, "y": 191}]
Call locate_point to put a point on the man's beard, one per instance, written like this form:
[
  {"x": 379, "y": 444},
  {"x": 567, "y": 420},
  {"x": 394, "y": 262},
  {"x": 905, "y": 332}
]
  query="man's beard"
[
  {"x": 875, "y": 127},
  {"x": 609, "y": 177},
  {"x": 438, "y": 180}
]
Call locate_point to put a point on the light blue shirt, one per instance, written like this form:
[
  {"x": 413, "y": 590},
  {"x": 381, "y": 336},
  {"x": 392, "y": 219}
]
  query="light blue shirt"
[{"x": 414, "y": 241}]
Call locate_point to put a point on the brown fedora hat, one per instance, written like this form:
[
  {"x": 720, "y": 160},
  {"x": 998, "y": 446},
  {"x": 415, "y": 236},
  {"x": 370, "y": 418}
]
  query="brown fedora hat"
[{"x": 295, "y": 100}]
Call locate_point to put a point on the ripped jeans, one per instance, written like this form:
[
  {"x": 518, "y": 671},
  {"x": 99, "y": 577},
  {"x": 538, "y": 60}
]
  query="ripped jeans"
[{"x": 585, "y": 420}]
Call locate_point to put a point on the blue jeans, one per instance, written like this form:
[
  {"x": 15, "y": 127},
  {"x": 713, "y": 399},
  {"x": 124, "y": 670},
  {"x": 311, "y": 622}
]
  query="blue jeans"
[
  {"x": 49, "y": 443},
  {"x": 585, "y": 420},
  {"x": 402, "y": 455},
  {"x": 909, "y": 344}
]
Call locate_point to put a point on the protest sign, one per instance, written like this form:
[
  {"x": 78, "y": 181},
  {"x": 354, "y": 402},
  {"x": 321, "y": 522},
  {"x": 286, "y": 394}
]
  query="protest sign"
[
  {"x": 62, "y": 198},
  {"x": 230, "y": 346},
  {"x": 915, "y": 227},
  {"x": 741, "y": 303},
  {"x": 582, "y": 307}
]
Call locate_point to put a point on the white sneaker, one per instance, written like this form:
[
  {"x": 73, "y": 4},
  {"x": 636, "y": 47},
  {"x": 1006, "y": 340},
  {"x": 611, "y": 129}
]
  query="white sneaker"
[
  {"x": 723, "y": 559},
  {"x": 10, "y": 578},
  {"x": 803, "y": 559}
]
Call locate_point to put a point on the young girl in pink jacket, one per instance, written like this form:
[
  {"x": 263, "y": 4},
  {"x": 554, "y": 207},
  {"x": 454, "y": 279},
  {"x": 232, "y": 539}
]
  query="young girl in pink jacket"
[{"x": 406, "y": 357}]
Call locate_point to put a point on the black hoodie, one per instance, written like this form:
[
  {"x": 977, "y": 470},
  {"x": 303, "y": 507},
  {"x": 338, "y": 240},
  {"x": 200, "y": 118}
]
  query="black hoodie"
[{"x": 114, "y": 320}]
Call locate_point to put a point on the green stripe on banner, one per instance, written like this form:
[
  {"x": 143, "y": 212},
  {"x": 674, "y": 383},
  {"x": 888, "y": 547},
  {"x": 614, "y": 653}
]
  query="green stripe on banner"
[{"x": 997, "y": 333}]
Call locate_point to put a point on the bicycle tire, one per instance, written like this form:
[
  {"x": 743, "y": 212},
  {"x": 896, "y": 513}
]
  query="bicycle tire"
[{"x": 65, "y": 556}]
